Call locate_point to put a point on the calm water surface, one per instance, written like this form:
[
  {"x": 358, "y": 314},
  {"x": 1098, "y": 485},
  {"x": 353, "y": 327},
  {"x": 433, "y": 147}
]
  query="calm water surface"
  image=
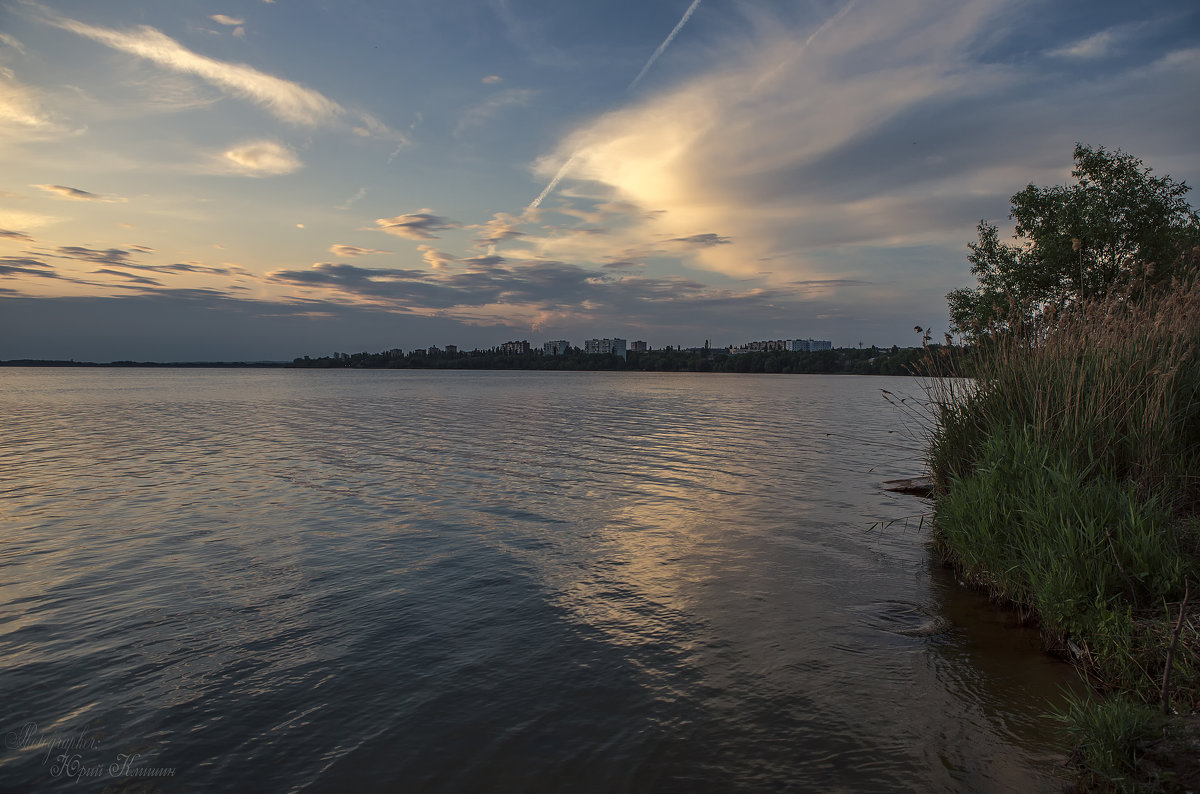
[{"x": 423, "y": 581}]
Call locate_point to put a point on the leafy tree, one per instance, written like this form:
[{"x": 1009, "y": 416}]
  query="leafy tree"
[{"x": 1119, "y": 226}]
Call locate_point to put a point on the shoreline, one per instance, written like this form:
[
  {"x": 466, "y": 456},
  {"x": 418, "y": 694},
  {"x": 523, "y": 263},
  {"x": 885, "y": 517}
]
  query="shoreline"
[{"x": 840, "y": 361}]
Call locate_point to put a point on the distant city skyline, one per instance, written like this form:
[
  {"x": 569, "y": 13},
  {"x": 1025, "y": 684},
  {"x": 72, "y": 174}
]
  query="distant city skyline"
[{"x": 261, "y": 180}]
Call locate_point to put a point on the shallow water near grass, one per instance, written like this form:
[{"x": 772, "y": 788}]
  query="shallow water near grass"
[{"x": 468, "y": 581}]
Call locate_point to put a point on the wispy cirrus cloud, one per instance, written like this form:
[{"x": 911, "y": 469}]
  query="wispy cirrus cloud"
[
  {"x": 492, "y": 107},
  {"x": 1095, "y": 46},
  {"x": 419, "y": 225},
  {"x": 286, "y": 100},
  {"x": 1103, "y": 43},
  {"x": 742, "y": 147},
  {"x": 352, "y": 200},
  {"x": 11, "y": 41},
  {"x": 25, "y": 220},
  {"x": 75, "y": 194},
  {"x": 20, "y": 107}
]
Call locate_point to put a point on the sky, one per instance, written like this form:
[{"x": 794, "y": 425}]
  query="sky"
[{"x": 266, "y": 179}]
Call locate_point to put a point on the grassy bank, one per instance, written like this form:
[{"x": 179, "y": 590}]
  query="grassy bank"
[{"x": 1067, "y": 476}]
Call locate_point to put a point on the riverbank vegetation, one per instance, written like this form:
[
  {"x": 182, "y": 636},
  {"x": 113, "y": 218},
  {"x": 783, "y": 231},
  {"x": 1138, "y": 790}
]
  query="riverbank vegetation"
[{"x": 1067, "y": 466}]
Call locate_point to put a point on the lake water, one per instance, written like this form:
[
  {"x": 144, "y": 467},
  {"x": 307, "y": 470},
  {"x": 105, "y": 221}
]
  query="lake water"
[{"x": 280, "y": 580}]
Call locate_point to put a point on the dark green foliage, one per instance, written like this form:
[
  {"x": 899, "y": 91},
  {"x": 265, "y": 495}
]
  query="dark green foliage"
[
  {"x": 857, "y": 361},
  {"x": 1065, "y": 542},
  {"x": 1117, "y": 231},
  {"x": 1111, "y": 735},
  {"x": 1065, "y": 446}
]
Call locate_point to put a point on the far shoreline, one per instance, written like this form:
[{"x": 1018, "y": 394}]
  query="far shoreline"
[{"x": 840, "y": 361}]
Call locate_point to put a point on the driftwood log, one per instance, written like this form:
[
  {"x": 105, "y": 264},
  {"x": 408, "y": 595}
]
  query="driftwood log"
[{"x": 916, "y": 486}]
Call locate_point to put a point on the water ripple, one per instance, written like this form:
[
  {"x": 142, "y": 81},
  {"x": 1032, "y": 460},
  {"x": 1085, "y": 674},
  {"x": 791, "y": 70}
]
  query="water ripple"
[{"x": 481, "y": 581}]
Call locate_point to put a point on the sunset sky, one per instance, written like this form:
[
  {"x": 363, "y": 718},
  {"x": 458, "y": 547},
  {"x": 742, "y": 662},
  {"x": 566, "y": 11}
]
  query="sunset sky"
[{"x": 262, "y": 179}]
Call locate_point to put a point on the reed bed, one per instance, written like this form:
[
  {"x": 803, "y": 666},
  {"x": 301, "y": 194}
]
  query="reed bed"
[{"x": 1066, "y": 463}]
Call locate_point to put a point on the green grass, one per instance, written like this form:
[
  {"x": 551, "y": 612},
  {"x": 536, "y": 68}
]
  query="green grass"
[
  {"x": 1111, "y": 736},
  {"x": 1067, "y": 476},
  {"x": 1054, "y": 539}
]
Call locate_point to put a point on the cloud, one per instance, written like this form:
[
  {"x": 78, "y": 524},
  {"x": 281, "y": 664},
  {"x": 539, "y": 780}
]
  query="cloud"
[
  {"x": 152, "y": 282},
  {"x": 188, "y": 267},
  {"x": 75, "y": 194},
  {"x": 491, "y": 107},
  {"x": 352, "y": 200},
  {"x": 492, "y": 79},
  {"x": 436, "y": 259},
  {"x": 20, "y": 107},
  {"x": 703, "y": 240},
  {"x": 526, "y": 33},
  {"x": 117, "y": 258},
  {"x": 15, "y": 267},
  {"x": 501, "y": 227},
  {"x": 11, "y": 266},
  {"x": 10, "y": 41},
  {"x": 25, "y": 220},
  {"x": 18, "y": 236},
  {"x": 106, "y": 256},
  {"x": 221, "y": 19},
  {"x": 760, "y": 144},
  {"x": 486, "y": 282},
  {"x": 261, "y": 158},
  {"x": 1097, "y": 45},
  {"x": 288, "y": 101},
  {"x": 352, "y": 250},
  {"x": 171, "y": 92},
  {"x": 540, "y": 294},
  {"x": 418, "y": 225}
]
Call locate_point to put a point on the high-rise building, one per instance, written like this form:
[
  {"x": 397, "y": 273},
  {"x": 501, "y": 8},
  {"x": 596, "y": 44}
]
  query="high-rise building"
[
  {"x": 517, "y": 348},
  {"x": 614, "y": 346},
  {"x": 809, "y": 345},
  {"x": 556, "y": 347}
]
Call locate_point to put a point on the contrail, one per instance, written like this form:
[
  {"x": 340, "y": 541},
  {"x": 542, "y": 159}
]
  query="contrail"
[
  {"x": 830, "y": 22},
  {"x": 666, "y": 42},
  {"x": 553, "y": 182},
  {"x": 657, "y": 53}
]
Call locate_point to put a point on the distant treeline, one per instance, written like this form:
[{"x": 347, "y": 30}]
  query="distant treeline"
[
  {"x": 843, "y": 361},
  {"x": 41, "y": 362}
]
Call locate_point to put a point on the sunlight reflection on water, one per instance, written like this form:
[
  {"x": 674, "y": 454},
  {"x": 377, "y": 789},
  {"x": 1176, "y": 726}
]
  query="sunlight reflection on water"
[{"x": 490, "y": 581}]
